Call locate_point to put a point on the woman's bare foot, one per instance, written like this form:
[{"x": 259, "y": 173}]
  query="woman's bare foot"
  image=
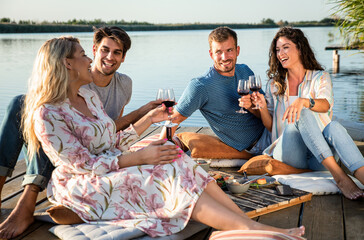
[
  {"x": 346, "y": 185},
  {"x": 300, "y": 231},
  {"x": 348, "y": 188},
  {"x": 296, "y": 231}
]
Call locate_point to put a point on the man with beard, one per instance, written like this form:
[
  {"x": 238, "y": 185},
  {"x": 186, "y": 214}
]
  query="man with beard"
[
  {"x": 114, "y": 90},
  {"x": 215, "y": 95}
]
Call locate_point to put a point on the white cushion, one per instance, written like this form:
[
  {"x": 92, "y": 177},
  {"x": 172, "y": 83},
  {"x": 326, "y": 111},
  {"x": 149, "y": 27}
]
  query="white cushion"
[
  {"x": 224, "y": 162},
  {"x": 87, "y": 231},
  {"x": 317, "y": 182}
]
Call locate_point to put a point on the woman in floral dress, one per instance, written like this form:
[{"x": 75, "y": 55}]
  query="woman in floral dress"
[{"x": 157, "y": 189}]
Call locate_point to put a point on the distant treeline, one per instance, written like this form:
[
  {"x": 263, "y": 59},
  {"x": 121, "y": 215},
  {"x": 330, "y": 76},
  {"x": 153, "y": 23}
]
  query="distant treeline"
[{"x": 8, "y": 26}]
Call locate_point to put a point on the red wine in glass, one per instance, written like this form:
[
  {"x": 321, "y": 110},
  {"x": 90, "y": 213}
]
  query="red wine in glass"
[
  {"x": 243, "y": 89},
  {"x": 243, "y": 93},
  {"x": 255, "y": 89},
  {"x": 255, "y": 86},
  {"x": 168, "y": 99},
  {"x": 169, "y": 134},
  {"x": 169, "y": 103}
]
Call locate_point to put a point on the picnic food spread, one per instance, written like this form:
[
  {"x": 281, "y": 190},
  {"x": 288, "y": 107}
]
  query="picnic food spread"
[{"x": 222, "y": 178}]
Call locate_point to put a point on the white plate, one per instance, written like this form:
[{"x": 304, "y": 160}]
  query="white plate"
[{"x": 269, "y": 180}]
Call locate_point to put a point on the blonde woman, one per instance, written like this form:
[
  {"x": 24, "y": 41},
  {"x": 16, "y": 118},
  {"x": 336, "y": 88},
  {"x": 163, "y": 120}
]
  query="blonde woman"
[{"x": 156, "y": 189}]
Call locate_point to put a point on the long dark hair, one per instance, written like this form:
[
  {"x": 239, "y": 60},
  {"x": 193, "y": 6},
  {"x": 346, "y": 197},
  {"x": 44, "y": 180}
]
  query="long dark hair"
[{"x": 307, "y": 57}]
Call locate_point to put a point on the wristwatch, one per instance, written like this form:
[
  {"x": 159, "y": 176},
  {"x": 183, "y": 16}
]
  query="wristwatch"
[{"x": 312, "y": 103}]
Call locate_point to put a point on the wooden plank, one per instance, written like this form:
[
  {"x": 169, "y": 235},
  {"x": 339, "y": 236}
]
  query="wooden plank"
[
  {"x": 187, "y": 129},
  {"x": 18, "y": 170},
  {"x": 38, "y": 231},
  {"x": 285, "y": 218},
  {"x": 12, "y": 185},
  {"x": 202, "y": 235},
  {"x": 323, "y": 218},
  {"x": 207, "y": 130},
  {"x": 150, "y": 131},
  {"x": 354, "y": 218},
  {"x": 11, "y": 188},
  {"x": 338, "y": 47}
]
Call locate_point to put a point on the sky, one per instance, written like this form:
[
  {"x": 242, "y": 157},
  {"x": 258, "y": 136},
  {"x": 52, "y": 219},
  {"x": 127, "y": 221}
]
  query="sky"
[{"x": 167, "y": 11}]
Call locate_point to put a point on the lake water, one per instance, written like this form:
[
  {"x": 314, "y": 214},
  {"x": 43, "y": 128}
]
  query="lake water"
[{"x": 173, "y": 58}]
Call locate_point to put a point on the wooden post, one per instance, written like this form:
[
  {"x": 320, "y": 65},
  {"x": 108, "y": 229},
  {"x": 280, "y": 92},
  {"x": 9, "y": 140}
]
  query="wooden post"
[{"x": 335, "y": 62}]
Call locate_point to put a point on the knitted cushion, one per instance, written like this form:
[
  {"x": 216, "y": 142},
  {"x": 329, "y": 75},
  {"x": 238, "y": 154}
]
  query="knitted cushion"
[
  {"x": 211, "y": 147},
  {"x": 265, "y": 164}
]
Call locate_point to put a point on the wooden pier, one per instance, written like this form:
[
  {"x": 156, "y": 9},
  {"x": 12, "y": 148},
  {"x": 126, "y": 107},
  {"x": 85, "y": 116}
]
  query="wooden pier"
[
  {"x": 325, "y": 217},
  {"x": 336, "y": 56}
]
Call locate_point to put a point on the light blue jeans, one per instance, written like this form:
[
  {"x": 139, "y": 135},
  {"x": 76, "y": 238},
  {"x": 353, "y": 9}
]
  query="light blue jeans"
[{"x": 303, "y": 145}]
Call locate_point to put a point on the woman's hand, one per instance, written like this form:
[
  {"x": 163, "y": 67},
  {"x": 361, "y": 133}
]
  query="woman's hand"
[
  {"x": 160, "y": 153},
  {"x": 293, "y": 112}
]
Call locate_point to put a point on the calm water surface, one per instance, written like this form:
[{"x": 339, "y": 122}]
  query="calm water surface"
[{"x": 173, "y": 58}]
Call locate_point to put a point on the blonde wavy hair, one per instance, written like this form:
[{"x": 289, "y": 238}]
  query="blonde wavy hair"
[{"x": 47, "y": 84}]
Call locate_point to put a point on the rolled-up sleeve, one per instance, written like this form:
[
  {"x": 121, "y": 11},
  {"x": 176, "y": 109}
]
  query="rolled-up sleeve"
[
  {"x": 126, "y": 138},
  {"x": 269, "y": 97},
  {"x": 323, "y": 88}
]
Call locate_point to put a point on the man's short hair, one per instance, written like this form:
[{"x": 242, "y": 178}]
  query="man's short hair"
[
  {"x": 222, "y": 34},
  {"x": 115, "y": 33}
]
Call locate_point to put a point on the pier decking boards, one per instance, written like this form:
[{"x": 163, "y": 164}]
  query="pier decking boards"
[{"x": 325, "y": 217}]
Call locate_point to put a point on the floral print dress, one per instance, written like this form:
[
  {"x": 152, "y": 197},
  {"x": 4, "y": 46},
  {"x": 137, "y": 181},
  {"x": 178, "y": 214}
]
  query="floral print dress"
[{"x": 157, "y": 199}]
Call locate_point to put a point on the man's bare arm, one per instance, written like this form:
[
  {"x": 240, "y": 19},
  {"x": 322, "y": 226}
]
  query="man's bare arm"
[{"x": 122, "y": 122}]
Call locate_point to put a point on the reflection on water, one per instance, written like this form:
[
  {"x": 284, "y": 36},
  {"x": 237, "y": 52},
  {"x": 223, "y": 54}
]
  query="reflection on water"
[
  {"x": 172, "y": 58},
  {"x": 349, "y": 95}
]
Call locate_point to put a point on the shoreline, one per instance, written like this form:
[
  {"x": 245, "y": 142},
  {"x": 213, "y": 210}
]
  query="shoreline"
[{"x": 53, "y": 28}]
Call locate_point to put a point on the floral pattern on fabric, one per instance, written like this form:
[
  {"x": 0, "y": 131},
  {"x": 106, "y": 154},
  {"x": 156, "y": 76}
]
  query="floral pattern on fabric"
[{"x": 157, "y": 199}]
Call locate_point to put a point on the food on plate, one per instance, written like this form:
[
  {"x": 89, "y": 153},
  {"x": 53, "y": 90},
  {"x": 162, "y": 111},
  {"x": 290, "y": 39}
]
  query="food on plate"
[
  {"x": 220, "y": 180},
  {"x": 262, "y": 181}
]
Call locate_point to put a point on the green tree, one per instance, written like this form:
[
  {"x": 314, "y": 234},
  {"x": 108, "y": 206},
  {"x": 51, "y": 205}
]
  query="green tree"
[
  {"x": 352, "y": 24},
  {"x": 5, "y": 20},
  {"x": 268, "y": 21}
]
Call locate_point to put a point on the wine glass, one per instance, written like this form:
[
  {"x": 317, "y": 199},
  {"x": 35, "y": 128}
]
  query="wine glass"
[
  {"x": 255, "y": 86},
  {"x": 168, "y": 99},
  {"x": 243, "y": 89}
]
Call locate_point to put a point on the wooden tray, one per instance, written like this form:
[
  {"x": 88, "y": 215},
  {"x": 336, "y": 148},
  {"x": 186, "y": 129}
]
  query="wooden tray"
[{"x": 256, "y": 202}]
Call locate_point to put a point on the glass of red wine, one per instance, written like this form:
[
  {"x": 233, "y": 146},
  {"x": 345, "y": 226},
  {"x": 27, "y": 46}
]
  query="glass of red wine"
[
  {"x": 243, "y": 89},
  {"x": 168, "y": 99},
  {"x": 255, "y": 86}
]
